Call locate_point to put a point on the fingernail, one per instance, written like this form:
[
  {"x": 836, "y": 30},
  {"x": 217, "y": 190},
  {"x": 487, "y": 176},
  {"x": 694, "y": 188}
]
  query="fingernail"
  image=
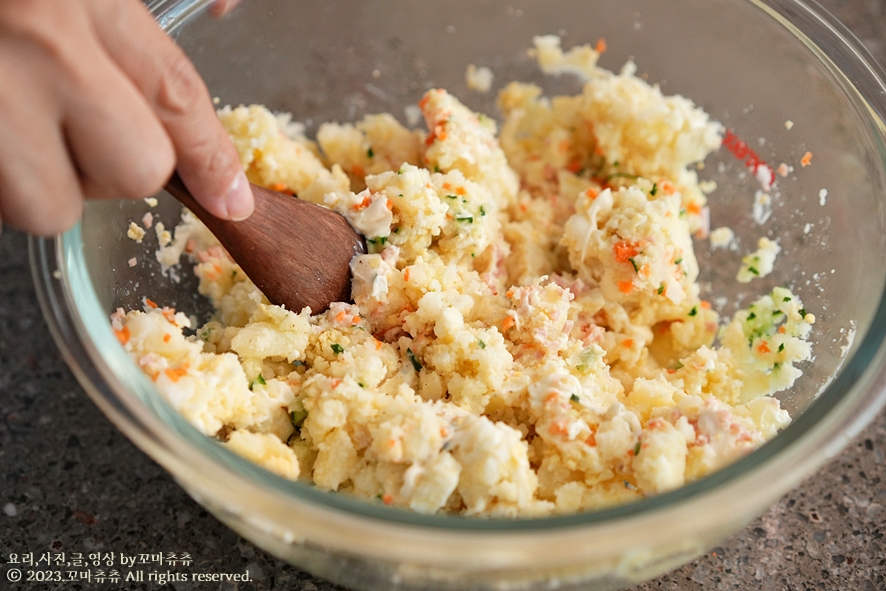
[{"x": 238, "y": 200}]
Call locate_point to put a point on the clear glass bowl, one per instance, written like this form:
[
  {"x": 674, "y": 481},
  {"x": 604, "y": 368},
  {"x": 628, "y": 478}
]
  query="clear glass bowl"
[{"x": 752, "y": 64}]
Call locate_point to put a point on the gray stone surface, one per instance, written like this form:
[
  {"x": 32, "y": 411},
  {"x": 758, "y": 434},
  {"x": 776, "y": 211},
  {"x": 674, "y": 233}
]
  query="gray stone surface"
[{"x": 70, "y": 482}]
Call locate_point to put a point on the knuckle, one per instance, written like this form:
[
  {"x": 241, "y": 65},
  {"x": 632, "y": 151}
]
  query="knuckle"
[
  {"x": 150, "y": 173},
  {"x": 20, "y": 17},
  {"x": 210, "y": 157},
  {"x": 43, "y": 32},
  {"x": 179, "y": 87},
  {"x": 221, "y": 161},
  {"x": 46, "y": 217},
  {"x": 133, "y": 164}
]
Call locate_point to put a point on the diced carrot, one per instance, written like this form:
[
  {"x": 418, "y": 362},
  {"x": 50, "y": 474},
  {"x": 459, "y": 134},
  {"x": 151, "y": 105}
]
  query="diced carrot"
[
  {"x": 150, "y": 303},
  {"x": 645, "y": 271},
  {"x": 167, "y": 337},
  {"x": 279, "y": 187},
  {"x": 389, "y": 204},
  {"x": 387, "y": 499},
  {"x": 406, "y": 274},
  {"x": 460, "y": 191},
  {"x": 340, "y": 317},
  {"x": 508, "y": 322},
  {"x": 627, "y": 343},
  {"x": 524, "y": 206},
  {"x": 592, "y": 193},
  {"x": 358, "y": 170},
  {"x": 591, "y": 440},
  {"x": 601, "y": 45},
  {"x": 667, "y": 187},
  {"x": 122, "y": 335},
  {"x": 377, "y": 344},
  {"x": 551, "y": 397},
  {"x": 806, "y": 160},
  {"x": 574, "y": 167},
  {"x": 447, "y": 186},
  {"x": 367, "y": 201},
  {"x": 781, "y": 329},
  {"x": 335, "y": 382},
  {"x": 624, "y": 250},
  {"x": 424, "y": 101},
  {"x": 169, "y": 314},
  {"x": 558, "y": 428},
  {"x": 625, "y": 287},
  {"x": 763, "y": 347},
  {"x": 694, "y": 208},
  {"x": 706, "y": 304},
  {"x": 176, "y": 373}
]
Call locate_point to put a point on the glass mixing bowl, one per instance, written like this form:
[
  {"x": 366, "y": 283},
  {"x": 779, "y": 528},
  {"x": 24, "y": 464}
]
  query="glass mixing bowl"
[{"x": 754, "y": 65}]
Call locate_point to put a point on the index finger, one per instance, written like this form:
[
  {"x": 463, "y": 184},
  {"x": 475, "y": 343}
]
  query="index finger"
[{"x": 206, "y": 158}]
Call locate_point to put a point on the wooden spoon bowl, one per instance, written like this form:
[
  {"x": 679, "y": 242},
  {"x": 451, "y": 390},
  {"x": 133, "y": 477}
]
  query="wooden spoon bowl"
[{"x": 297, "y": 253}]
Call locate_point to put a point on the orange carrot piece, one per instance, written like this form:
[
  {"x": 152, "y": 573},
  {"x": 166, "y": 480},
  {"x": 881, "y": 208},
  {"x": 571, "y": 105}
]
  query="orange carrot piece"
[
  {"x": 122, "y": 335},
  {"x": 624, "y": 250},
  {"x": 176, "y": 373},
  {"x": 806, "y": 160}
]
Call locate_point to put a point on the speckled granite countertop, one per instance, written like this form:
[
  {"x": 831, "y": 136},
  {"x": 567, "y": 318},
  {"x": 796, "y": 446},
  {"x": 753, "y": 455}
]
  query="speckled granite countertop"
[{"x": 69, "y": 481}]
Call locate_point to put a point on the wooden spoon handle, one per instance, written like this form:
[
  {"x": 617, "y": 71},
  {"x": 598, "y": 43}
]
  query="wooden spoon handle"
[{"x": 297, "y": 253}]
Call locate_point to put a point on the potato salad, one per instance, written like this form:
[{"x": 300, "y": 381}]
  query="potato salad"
[{"x": 526, "y": 335}]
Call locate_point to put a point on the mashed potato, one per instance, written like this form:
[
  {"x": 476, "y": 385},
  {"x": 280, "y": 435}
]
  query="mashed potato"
[{"x": 526, "y": 335}]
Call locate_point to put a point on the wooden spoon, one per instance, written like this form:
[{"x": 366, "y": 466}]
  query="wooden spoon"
[{"x": 295, "y": 252}]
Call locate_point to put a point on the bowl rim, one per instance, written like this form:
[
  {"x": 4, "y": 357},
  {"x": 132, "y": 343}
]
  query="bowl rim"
[{"x": 845, "y": 406}]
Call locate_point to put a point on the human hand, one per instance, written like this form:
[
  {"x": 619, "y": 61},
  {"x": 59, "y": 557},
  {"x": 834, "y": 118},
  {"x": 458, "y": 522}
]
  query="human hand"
[
  {"x": 97, "y": 102},
  {"x": 223, "y": 7}
]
